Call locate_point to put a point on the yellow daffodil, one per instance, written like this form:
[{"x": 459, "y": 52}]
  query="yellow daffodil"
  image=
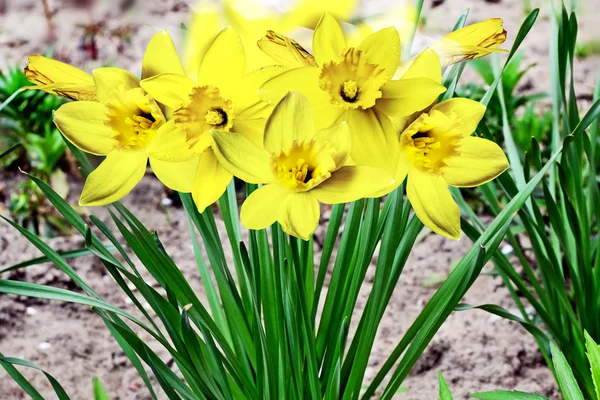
[
  {"x": 128, "y": 127},
  {"x": 286, "y": 51},
  {"x": 298, "y": 168},
  {"x": 472, "y": 41},
  {"x": 354, "y": 85},
  {"x": 60, "y": 79},
  {"x": 250, "y": 20},
  {"x": 223, "y": 97},
  {"x": 436, "y": 151}
]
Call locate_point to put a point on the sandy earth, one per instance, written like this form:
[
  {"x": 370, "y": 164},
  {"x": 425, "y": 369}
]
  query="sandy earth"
[{"x": 474, "y": 351}]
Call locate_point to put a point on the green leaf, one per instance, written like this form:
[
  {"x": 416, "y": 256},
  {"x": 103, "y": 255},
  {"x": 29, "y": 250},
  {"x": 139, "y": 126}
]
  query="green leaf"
[
  {"x": 63, "y": 254},
  {"x": 21, "y": 380},
  {"x": 58, "y": 389},
  {"x": 507, "y": 395},
  {"x": 99, "y": 392},
  {"x": 445, "y": 393},
  {"x": 593, "y": 354},
  {"x": 9, "y": 150},
  {"x": 501, "y": 312},
  {"x": 564, "y": 375}
]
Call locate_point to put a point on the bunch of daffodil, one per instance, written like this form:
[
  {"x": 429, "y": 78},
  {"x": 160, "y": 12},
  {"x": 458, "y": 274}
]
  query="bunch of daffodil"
[
  {"x": 250, "y": 18},
  {"x": 115, "y": 118},
  {"x": 358, "y": 125},
  {"x": 355, "y": 85},
  {"x": 298, "y": 167},
  {"x": 222, "y": 97}
]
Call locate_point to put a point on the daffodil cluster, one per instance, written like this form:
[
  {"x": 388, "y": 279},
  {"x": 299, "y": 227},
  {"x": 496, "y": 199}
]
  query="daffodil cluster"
[{"x": 348, "y": 120}]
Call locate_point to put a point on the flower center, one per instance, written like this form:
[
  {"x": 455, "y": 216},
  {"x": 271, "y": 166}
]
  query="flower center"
[
  {"x": 204, "y": 110},
  {"x": 216, "y": 117},
  {"x": 349, "y": 91},
  {"x": 134, "y": 117},
  {"x": 430, "y": 141},
  {"x": 353, "y": 82},
  {"x": 304, "y": 165}
]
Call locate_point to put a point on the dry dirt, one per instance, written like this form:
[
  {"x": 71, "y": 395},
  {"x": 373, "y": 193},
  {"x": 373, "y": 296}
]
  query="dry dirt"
[{"x": 473, "y": 350}]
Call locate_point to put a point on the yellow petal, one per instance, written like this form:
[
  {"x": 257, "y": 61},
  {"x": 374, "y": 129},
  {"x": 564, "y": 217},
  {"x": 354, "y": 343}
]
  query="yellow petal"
[
  {"x": 383, "y": 48},
  {"x": 374, "y": 139},
  {"x": 242, "y": 158},
  {"x": 161, "y": 56},
  {"x": 326, "y": 115},
  {"x": 291, "y": 120},
  {"x": 405, "y": 96},
  {"x": 260, "y": 209},
  {"x": 353, "y": 182},
  {"x": 426, "y": 65},
  {"x": 299, "y": 215},
  {"x": 169, "y": 89},
  {"x": 304, "y": 80},
  {"x": 202, "y": 30},
  {"x": 479, "y": 162},
  {"x": 328, "y": 39},
  {"x": 210, "y": 181},
  {"x": 114, "y": 178},
  {"x": 82, "y": 123},
  {"x": 401, "y": 171},
  {"x": 250, "y": 22},
  {"x": 307, "y": 12},
  {"x": 285, "y": 51},
  {"x": 253, "y": 129},
  {"x": 338, "y": 136},
  {"x": 178, "y": 176},
  {"x": 224, "y": 63},
  {"x": 60, "y": 79},
  {"x": 472, "y": 41},
  {"x": 465, "y": 112},
  {"x": 433, "y": 203},
  {"x": 110, "y": 79},
  {"x": 247, "y": 101},
  {"x": 169, "y": 144}
]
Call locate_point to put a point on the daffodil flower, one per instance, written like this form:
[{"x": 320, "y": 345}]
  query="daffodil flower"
[
  {"x": 298, "y": 168},
  {"x": 250, "y": 19},
  {"x": 60, "y": 79},
  {"x": 354, "y": 85},
  {"x": 223, "y": 97},
  {"x": 436, "y": 151},
  {"x": 128, "y": 127},
  {"x": 472, "y": 41}
]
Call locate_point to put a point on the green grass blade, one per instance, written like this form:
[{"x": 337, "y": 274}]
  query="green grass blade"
[
  {"x": 58, "y": 389},
  {"x": 99, "y": 391},
  {"x": 444, "y": 393},
  {"x": 9, "y": 150},
  {"x": 335, "y": 220},
  {"x": 63, "y": 254},
  {"x": 593, "y": 355},
  {"x": 20, "y": 380},
  {"x": 507, "y": 395},
  {"x": 564, "y": 375}
]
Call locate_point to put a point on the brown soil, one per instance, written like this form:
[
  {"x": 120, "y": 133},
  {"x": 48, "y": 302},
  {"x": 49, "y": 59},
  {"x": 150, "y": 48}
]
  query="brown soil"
[{"x": 473, "y": 350}]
